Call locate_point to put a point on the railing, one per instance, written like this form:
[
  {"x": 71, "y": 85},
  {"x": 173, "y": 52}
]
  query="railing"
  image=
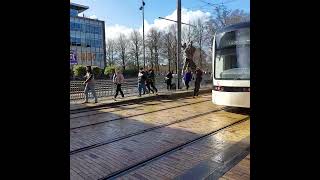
[{"x": 105, "y": 88}]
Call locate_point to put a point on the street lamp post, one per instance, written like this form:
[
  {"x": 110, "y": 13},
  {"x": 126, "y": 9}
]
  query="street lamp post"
[
  {"x": 179, "y": 44},
  {"x": 144, "y": 51}
]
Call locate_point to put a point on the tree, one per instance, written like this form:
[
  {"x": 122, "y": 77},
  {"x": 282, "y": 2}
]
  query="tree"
[
  {"x": 199, "y": 38},
  {"x": 237, "y": 16},
  {"x": 186, "y": 34},
  {"x": 149, "y": 52},
  {"x": 154, "y": 44},
  {"x": 167, "y": 48},
  {"x": 173, "y": 31},
  {"x": 110, "y": 51},
  {"x": 225, "y": 16},
  {"x": 136, "y": 41},
  {"x": 122, "y": 49},
  {"x": 210, "y": 30}
]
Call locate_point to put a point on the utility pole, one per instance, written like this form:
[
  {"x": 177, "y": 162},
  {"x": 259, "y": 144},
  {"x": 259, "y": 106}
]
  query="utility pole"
[{"x": 179, "y": 45}]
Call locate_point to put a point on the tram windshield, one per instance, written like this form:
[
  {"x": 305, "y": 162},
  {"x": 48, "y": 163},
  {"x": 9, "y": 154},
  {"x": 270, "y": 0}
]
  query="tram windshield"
[{"x": 232, "y": 55}]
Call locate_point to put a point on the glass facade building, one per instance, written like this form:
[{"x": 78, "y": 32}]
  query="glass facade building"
[{"x": 87, "y": 38}]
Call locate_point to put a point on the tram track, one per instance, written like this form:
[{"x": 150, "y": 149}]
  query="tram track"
[
  {"x": 137, "y": 165},
  {"x": 143, "y": 131},
  {"x": 125, "y": 117}
]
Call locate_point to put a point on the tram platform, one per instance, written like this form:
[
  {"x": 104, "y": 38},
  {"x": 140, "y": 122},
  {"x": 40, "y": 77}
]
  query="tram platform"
[{"x": 134, "y": 98}]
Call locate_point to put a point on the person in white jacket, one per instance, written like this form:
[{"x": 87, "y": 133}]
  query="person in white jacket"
[{"x": 118, "y": 79}]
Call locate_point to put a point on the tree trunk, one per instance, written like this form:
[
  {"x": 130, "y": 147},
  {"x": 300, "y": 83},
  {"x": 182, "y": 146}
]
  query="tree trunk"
[
  {"x": 137, "y": 60},
  {"x": 123, "y": 64},
  {"x": 111, "y": 62},
  {"x": 156, "y": 58},
  {"x": 200, "y": 63},
  {"x": 137, "y": 56}
]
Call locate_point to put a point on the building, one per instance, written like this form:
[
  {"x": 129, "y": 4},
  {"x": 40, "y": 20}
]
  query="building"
[{"x": 87, "y": 38}]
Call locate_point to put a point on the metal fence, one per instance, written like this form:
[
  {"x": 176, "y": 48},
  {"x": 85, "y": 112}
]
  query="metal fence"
[{"x": 105, "y": 88}]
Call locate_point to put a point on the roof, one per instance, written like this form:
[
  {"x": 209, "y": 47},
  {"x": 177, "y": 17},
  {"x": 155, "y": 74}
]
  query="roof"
[
  {"x": 78, "y": 7},
  {"x": 235, "y": 27}
]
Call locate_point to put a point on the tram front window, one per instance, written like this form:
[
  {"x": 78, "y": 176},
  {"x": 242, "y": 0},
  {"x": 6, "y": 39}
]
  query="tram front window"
[{"x": 232, "y": 55}]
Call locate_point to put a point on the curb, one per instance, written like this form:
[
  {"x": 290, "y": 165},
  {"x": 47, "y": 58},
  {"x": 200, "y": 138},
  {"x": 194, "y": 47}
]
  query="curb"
[{"x": 174, "y": 95}]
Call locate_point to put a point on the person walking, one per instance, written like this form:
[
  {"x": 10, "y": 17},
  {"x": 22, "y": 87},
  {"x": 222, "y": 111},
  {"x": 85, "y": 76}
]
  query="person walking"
[
  {"x": 148, "y": 81},
  {"x": 89, "y": 85},
  {"x": 152, "y": 80},
  {"x": 141, "y": 82},
  {"x": 118, "y": 79},
  {"x": 187, "y": 78},
  {"x": 197, "y": 82},
  {"x": 169, "y": 80}
]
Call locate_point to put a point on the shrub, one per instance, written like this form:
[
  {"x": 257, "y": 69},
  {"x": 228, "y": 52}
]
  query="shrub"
[
  {"x": 79, "y": 71},
  {"x": 96, "y": 72},
  {"x": 109, "y": 70},
  {"x": 130, "y": 72}
]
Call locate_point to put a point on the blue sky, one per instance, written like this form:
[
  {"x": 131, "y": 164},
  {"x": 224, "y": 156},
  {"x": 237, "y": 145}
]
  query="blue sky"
[{"x": 125, "y": 14}]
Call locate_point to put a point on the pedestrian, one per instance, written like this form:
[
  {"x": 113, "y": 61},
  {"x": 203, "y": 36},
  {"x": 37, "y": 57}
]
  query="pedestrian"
[
  {"x": 152, "y": 80},
  {"x": 89, "y": 85},
  {"x": 197, "y": 82},
  {"x": 148, "y": 82},
  {"x": 118, "y": 79},
  {"x": 187, "y": 78},
  {"x": 169, "y": 80},
  {"x": 141, "y": 82}
]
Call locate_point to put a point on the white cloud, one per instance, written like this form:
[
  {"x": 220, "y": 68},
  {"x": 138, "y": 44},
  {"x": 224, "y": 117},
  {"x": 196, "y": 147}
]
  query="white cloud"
[
  {"x": 187, "y": 16},
  {"x": 93, "y": 17},
  {"x": 113, "y": 32}
]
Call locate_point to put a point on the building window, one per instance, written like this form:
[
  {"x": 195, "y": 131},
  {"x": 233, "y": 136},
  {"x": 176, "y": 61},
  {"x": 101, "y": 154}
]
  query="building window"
[
  {"x": 73, "y": 41},
  {"x": 73, "y": 12},
  {"x": 72, "y": 26},
  {"x": 78, "y": 42}
]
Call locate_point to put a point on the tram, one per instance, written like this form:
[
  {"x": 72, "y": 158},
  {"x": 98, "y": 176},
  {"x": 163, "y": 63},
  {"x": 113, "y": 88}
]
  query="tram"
[{"x": 231, "y": 66}]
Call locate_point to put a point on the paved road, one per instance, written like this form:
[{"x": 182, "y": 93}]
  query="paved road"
[{"x": 159, "y": 139}]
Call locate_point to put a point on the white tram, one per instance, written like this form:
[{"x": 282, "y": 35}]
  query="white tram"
[{"x": 231, "y": 66}]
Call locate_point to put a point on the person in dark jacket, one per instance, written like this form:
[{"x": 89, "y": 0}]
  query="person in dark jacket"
[
  {"x": 197, "y": 82},
  {"x": 148, "y": 82},
  {"x": 169, "y": 80},
  {"x": 187, "y": 78},
  {"x": 151, "y": 81},
  {"x": 142, "y": 81}
]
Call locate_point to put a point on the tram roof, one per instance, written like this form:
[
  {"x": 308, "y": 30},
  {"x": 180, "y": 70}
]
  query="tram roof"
[{"x": 234, "y": 27}]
